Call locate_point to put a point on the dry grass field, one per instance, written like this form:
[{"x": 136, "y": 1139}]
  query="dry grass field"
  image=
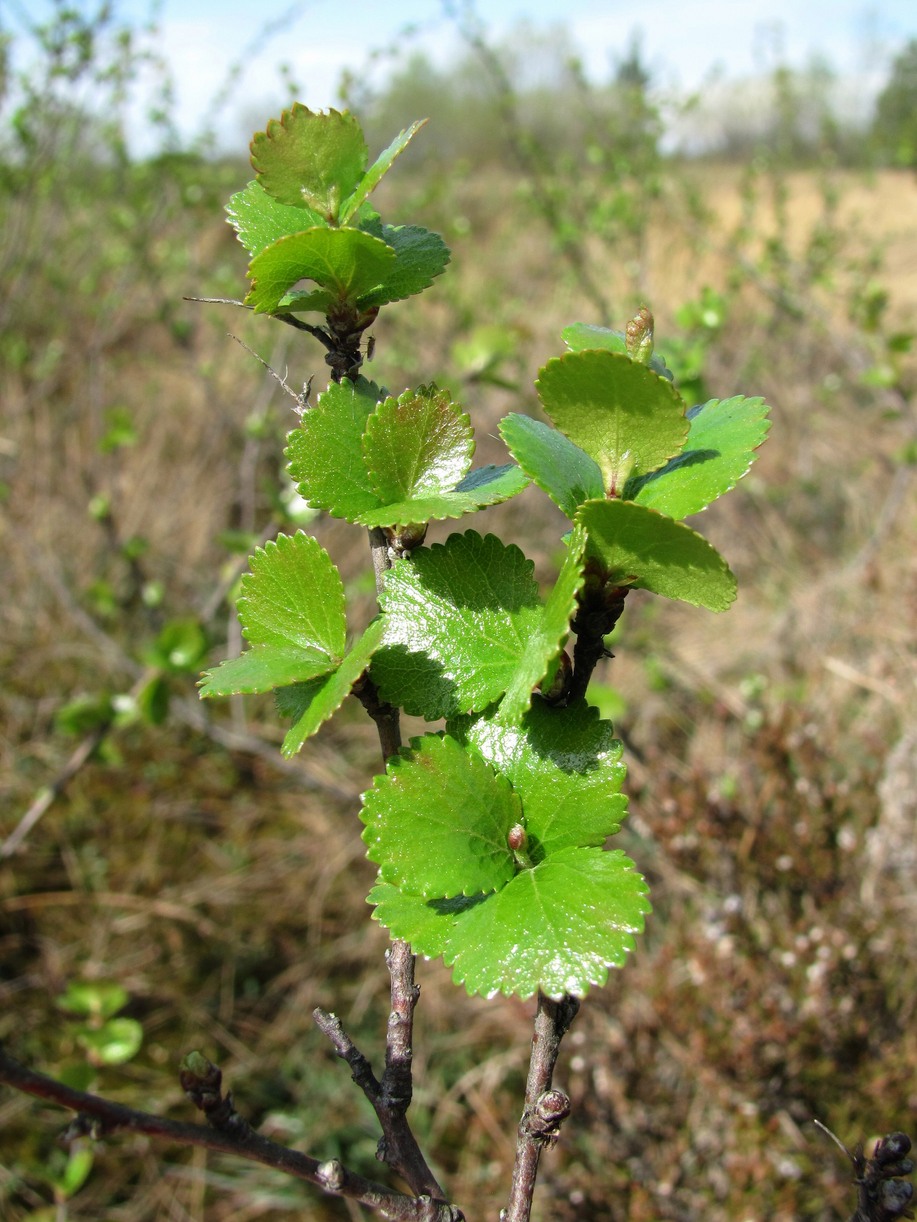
[{"x": 772, "y": 750}]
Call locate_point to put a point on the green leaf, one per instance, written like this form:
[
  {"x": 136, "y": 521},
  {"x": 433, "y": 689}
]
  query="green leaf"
[
  {"x": 260, "y": 220},
  {"x": 555, "y": 928},
  {"x": 310, "y": 158},
  {"x": 93, "y": 998},
  {"x": 722, "y": 442},
  {"x": 580, "y": 336},
  {"x": 114, "y": 1043},
  {"x": 418, "y": 444},
  {"x": 565, "y": 765},
  {"x": 625, "y": 417},
  {"x": 292, "y": 612},
  {"x": 426, "y": 924},
  {"x": 345, "y": 262},
  {"x": 308, "y": 705},
  {"x": 437, "y": 821},
  {"x": 561, "y": 469},
  {"x": 640, "y": 547},
  {"x": 458, "y": 617},
  {"x": 378, "y": 170},
  {"x": 545, "y": 637},
  {"x": 484, "y": 486},
  {"x": 420, "y": 256},
  {"x": 325, "y": 453}
]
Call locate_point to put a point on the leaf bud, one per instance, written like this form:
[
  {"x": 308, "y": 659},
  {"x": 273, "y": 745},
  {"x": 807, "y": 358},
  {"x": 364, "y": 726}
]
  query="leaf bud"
[
  {"x": 516, "y": 837},
  {"x": 638, "y": 336},
  {"x": 892, "y": 1148}
]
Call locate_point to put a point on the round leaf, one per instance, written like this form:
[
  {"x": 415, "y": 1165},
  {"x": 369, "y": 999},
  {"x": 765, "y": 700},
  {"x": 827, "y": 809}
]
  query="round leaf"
[
  {"x": 458, "y": 616},
  {"x": 437, "y": 821},
  {"x": 627, "y": 418},
  {"x": 260, "y": 220},
  {"x": 581, "y": 335},
  {"x": 325, "y": 454},
  {"x": 419, "y": 257},
  {"x": 310, "y": 158},
  {"x": 311, "y": 704},
  {"x": 416, "y": 445},
  {"x": 565, "y": 765},
  {"x": 346, "y": 262},
  {"x": 639, "y": 547},
  {"x": 561, "y": 469},
  {"x": 557, "y": 928},
  {"x": 722, "y": 440}
]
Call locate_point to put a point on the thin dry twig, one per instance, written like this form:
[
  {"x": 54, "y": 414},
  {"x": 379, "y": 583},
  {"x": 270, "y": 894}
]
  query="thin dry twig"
[{"x": 228, "y": 1133}]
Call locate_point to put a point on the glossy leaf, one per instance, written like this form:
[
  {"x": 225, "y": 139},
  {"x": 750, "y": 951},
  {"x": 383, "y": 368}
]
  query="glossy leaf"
[
  {"x": 325, "y": 454},
  {"x": 311, "y": 158},
  {"x": 722, "y": 442},
  {"x": 580, "y": 336},
  {"x": 549, "y": 633},
  {"x": 557, "y": 928},
  {"x": 420, "y": 256},
  {"x": 624, "y": 416},
  {"x": 459, "y": 615},
  {"x": 346, "y": 263},
  {"x": 308, "y": 705},
  {"x": 561, "y": 469},
  {"x": 566, "y": 767},
  {"x": 260, "y": 220},
  {"x": 640, "y": 547},
  {"x": 420, "y": 443},
  {"x": 292, "y": 613},
  {"x": 437, "y": 821},
  {"x": 378, "y": 170}
]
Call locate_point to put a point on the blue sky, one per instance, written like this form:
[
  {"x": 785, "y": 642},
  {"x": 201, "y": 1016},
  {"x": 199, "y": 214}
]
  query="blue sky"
[{"x": 684, "y": 41}]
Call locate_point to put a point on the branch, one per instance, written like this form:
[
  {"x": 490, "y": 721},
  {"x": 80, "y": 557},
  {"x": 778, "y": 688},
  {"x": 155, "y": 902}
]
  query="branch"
[
  {"x": 391, "y": 1097},
  {"x": 545, "y": 1108},
  {"x": 229, "y": 1133}
]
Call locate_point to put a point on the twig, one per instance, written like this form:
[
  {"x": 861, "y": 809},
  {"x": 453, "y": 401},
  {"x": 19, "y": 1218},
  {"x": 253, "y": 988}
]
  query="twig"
[
  {"x": 546, "y": 1108},
  {"x": 233, "y": 1135}
]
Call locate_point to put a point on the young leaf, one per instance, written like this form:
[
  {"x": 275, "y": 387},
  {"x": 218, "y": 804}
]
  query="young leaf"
[
  {"x": 378, "y": 170},
  {"x": 325, "y": 454},
  {"x": 546, "y": 636},
  {"x": 311, "y": 704},
  {"x": 625, "y": 417},
  {"x": 459, "y": 615},
  {"x": 557, "y": 927},
  {"x": 260, "y": 220},
  {"x": 564, "y": 764},
  {"x": 311, "y": 158},
  {"x": 582, "y": 335},
  {"x": 482, "y": 487},
  {"x": 292, "y": 613},
  {"x": 561, "y": 469},
  {"x": 420, "y": 256},
  {"x": 420, "y": 443},
  {"x": 640, "y": 547},
  {"x": 344, "y": 262},
  {"x": 722, "y": 442},
  {"x": 437, "y": 822}
]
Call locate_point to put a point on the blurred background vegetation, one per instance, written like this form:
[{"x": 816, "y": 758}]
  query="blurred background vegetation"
[{"x": 179, "y": 886}]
